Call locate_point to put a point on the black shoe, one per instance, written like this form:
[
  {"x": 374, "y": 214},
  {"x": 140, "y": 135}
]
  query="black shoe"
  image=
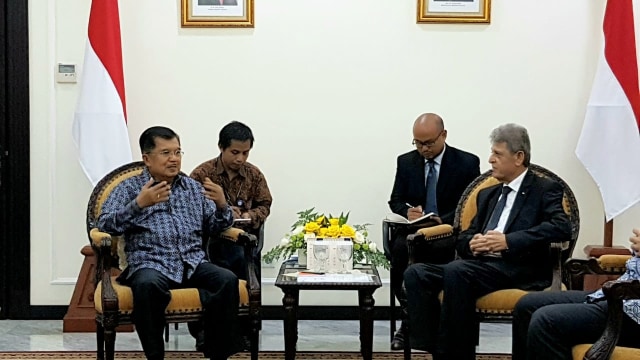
[{"x": 398, "y": 340}]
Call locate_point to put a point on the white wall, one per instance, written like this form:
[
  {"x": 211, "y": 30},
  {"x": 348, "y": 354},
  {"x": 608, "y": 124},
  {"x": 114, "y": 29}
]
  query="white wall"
[{"x": 330, "y": 92}]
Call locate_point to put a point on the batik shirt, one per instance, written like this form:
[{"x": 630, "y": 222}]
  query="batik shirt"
[
  {"x": 631, "y": 307},
  {"x": 166, "y": 236},
  {"x": 248, "y": 190}
]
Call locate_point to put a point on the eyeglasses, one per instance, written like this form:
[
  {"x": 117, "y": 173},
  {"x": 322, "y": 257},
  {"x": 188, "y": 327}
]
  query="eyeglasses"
[
  {"x": 167, "y": 153},
  {"x": 428, "y": 144}
]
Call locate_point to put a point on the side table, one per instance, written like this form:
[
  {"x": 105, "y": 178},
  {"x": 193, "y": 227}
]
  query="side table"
[{"x": 291, "y": 288}]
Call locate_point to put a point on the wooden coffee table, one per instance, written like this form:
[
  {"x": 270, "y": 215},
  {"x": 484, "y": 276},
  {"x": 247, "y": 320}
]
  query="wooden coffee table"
[{"x": 291, "y": 287}]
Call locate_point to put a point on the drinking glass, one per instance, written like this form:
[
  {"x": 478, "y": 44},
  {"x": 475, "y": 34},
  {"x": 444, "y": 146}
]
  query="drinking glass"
[
  {"x": 344, "y": 254},
  {"x": 321, "y": 253}
]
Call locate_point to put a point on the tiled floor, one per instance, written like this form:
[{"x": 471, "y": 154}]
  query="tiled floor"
[{"x": 47, "y": 335}]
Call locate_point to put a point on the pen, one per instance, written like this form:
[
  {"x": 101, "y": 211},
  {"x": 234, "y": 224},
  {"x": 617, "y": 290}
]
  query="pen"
[{"x": 409, "y": 205}]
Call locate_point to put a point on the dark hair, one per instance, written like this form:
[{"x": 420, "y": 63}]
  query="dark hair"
[
  {"x": 148, "y": 137},
  {"x": 234, "y": 130},
  {"x": 516, "y": 137}
]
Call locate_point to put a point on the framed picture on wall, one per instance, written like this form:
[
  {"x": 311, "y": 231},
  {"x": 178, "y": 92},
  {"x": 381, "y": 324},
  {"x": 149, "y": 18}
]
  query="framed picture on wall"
[
  {"x": 458, "y": 11},
  {"x": 217, "y": 13}
]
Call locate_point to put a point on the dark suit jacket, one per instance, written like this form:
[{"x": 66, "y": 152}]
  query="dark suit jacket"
[
  {"x": 457, "y": 170},
  {"x": 536, "y": 219}
]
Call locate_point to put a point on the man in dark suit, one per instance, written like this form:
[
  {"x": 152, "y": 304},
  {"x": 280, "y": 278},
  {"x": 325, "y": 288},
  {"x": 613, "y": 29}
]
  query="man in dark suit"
[
  {"x": 454, "y": 169},
  {"x": 506, "y": 246}
]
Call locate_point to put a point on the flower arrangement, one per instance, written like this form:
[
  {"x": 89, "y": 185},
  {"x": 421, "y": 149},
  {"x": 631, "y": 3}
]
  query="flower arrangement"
[{"x": 310, "y": 222}]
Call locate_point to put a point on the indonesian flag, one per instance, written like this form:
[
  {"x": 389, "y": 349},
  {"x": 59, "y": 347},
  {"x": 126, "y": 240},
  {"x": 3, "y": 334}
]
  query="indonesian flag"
[
  {"x": 609, "y": 145},
  {"x": 100, "y": 121}
]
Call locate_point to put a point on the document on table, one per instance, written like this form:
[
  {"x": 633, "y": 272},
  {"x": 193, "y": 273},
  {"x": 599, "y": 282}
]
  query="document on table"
[{"x": 332, "y": 278}]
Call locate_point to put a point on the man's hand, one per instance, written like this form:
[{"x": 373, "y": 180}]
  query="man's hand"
[
  {"x": 492, "y": 241},
  {"x": 635, "y": 241},
  {"x": 237, "y": 213},
  {"x": 414, "y": 213},
  {"x": 213, "y": 191},
  {"x": 153, "y": 194},
  {"x": 478, "y": 245}
]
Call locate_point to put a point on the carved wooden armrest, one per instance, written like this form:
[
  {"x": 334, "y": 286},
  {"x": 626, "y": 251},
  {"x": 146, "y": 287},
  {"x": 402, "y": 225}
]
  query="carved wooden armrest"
[
  {"x": 105, "y": 247},
  {"x": 431, "y": 240},
  {"x": 574, "y": 270},
  {"x": 615, "y": 292}
]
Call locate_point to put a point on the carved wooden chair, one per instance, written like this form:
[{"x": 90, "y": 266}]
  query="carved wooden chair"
[
  {"x": 605, "y": 266},
  {"x": 498, "y": 306},
  {"x": 114, "y": 302}
]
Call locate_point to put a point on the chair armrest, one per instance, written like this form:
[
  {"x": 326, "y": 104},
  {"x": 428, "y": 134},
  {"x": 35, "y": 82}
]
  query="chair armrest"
[
  {"x": 435, "y": 244},
  {"x": 574, "y": 270},
  {"x": 435, "y": 232},
  {"x": 615, "y": 292},
  {"x": 613, "y": 263},
  {"x": 231, "y": 234},
  {"x": 99, "y": 238},
  {"x": 105, "y": 248}
]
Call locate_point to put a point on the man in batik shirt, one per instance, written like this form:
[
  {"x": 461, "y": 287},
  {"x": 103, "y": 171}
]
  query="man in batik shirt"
[
  {"x": 163, "y": 215},
  {"x": 245, "y": 189}
]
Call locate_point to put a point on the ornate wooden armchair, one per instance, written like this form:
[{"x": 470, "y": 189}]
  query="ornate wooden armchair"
[
  {"x": 114, "y": 302},
  {"x": 606, "y": 265},
  {"x": 498, "y": 306}
]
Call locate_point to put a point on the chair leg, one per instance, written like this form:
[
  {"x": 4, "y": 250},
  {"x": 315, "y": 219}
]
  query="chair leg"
[
  {"x": 392, "y": 309},
  {"x": 110, "y": 342},
  {"x": 166, "y": 332},
  {"x": 255, "y": 324},
  {"x": 407, "y": 341},
  {"x": 99, "y": 341}
]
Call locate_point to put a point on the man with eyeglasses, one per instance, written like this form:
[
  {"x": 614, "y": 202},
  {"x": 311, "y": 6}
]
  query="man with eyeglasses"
[
  {"x": 430, "y": 178},
  {"x": 162, "y": 214},
  {"x": 246, "y": 191}
]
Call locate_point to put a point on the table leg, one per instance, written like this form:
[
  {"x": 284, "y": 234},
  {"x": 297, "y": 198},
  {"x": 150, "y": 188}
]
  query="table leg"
[
  {"x": 290, "y": 322},
  {"x": 366, "y": 302}
]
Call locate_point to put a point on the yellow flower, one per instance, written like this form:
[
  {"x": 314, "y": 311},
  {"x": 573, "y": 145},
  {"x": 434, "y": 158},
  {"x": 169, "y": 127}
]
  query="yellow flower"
[
  {"x": 320, "y": 220},
  {"x": 333, "y": 231},
  {"x": 311, "y": 227},
  {"x": 334, "y": 222},
  {"x": 322, "y": 232},
  {"x": 347, "y": 231}
]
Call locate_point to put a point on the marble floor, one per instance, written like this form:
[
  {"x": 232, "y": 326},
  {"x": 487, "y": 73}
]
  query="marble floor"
[{"x": 316, "y": 335}]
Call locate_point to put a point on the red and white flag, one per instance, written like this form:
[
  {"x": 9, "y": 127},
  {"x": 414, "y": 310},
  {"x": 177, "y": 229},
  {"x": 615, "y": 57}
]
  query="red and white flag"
[
  {"x": 100, "y": 121},
  {"x": 609, "y": 145}
]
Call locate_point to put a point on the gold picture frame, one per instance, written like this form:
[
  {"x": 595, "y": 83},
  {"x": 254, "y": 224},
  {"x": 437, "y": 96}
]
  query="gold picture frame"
[
  {"x": 458, "y": 11},
  {"x": 217, "y": 13}
]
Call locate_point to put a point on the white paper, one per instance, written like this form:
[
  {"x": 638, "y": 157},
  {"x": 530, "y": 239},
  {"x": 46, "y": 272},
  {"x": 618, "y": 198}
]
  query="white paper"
[{"x": 335, "y": 278}]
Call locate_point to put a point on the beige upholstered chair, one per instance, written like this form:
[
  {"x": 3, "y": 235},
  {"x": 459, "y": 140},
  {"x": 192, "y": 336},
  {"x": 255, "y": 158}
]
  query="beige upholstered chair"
[
  {"x": 114, "y": 302},
  {"x": 498, "y": 306}
]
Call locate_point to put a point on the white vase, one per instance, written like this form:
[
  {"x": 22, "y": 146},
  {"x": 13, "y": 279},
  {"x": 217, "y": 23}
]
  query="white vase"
[{"x": 302, "y": 257}]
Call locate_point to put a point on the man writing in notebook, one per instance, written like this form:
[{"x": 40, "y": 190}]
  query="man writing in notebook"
[
  {"x": 505, "y": 246},
  {"x": 429, "y": 179}
]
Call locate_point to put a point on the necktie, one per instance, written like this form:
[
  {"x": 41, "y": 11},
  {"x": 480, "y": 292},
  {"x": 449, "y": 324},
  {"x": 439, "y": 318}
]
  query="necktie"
[
  {"x": 431, "y": 204},
  {"x": 497, "y": 211}
]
